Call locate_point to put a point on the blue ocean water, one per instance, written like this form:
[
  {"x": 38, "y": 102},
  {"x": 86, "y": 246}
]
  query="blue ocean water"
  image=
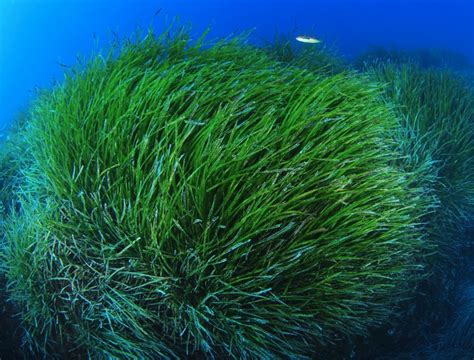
[
  {"x": 38, "y": 35},
  {"x": 40, "y": 39}
]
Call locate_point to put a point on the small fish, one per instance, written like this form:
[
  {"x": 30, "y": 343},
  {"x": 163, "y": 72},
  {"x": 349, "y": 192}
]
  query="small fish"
[{"x": 307, "y": 39}]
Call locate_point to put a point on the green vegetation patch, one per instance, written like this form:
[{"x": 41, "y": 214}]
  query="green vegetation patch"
[
  {"x": 435, "y": 109},
  {"x": 438, "y": 107},
  {"x": 184, "y": 200},
  {"x": 424, "y": 58}
]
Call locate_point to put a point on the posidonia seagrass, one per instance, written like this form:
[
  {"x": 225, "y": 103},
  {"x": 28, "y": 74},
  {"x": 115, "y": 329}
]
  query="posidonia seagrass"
[{"x": 184, "y": 199}]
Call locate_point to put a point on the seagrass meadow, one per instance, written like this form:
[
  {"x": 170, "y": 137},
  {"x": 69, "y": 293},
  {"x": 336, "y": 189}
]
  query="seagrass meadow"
[
  {"x": 179, "y": 198},
  {"x": 431, "y": 93},
  {"x": 436, "y": 111}
]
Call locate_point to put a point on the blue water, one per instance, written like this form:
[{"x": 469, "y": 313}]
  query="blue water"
[
  {"x": 40, "y": 38},
  {"x": 38, "y": 35}
]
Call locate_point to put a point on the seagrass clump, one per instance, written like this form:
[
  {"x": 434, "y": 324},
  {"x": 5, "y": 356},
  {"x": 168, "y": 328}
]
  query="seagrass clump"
[
  {"x": 436, "y": 108},
  {"x": 181, "y": 199}
]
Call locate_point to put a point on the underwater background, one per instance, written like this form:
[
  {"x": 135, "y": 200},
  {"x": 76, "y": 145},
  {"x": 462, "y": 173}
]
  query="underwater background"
[
  {"x": 237, "y": 194},
  {"x": 38, "y": 35}
]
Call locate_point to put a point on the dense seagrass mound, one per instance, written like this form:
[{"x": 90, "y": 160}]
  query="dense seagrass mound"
[
  {"x": 182, "y": 200},
  {"x": 423, "y": 58},
  {"x": 436, "y": 108}
]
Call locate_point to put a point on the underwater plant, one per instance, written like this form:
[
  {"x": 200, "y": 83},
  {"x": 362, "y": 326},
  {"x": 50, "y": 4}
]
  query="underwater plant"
[
  {"x": 184, "y": 200},
  {"x": 423, "y": 58},
  {"x": 455, "y": 340},
  {"x": 460, "y": 334},
  {"x": 10, "y": 153},
  {"x": 439, "y": 108},
  {"x": 7, "y": 175},
  {"x": 435, "y": 109},
  {"x": 11, "y": 146}
]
